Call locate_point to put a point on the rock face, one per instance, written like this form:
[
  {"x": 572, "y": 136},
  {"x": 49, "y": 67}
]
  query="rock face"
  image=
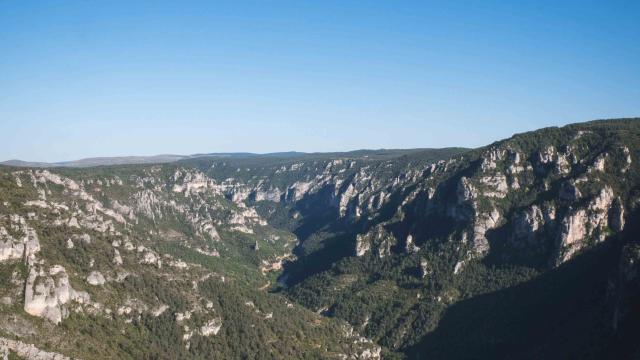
[
  {"x": 478, "y": 197},
  {"x": 378, "y": 240},
  {"x": 528, "y": 224},
  {"x": 581, "y": 224},
  {"x": 298, "y": 190},
  {"x": 271, "y": 194},
  {"x": 466, "y": 191},
  {"x": 117, "y": 259},
  {"x": 24, "y": 248},
  {"x": 362, "y": 245},
  {"x": 191, "y": 182},
  {"x": 10, "y": 248},
  {"x": 546, "y": 155},
  {"x": 47, "y": 293},
  {"x": 496, "y": 185},
  {"x": 47, "y": 290},
  {"x": 371, "y": 353},
  {"x": 146, "y": 202},
  {"x": 484, "y": 223}
]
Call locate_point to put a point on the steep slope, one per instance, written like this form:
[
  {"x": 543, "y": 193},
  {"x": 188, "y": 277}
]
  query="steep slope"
[
  {"x": 155, "y": 262},
  {"x": 497, "y": 218},
  {"x": 163, "y": 260},
  {"x": 523, "y": 248}
]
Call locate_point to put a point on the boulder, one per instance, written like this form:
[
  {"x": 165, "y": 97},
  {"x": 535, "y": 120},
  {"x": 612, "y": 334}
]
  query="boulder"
[{"x": 96, "y": 278}]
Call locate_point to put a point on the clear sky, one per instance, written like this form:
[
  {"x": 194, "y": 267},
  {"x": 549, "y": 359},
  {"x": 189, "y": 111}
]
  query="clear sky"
[{"x": 107, "y": 78}]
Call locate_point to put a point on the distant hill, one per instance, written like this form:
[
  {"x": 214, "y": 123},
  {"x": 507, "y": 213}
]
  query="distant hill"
[
  {"x": 99, "y": 161},
  {"x": 169, "y": 158}
]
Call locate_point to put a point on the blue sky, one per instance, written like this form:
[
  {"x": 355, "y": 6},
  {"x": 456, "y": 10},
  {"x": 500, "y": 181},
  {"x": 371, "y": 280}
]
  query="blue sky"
[{"x": 107, "y": 78}]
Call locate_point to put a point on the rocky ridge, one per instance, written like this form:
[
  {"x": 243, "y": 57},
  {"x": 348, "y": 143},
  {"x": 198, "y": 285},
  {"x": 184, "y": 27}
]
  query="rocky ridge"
[{"x": 83, "y": 243}]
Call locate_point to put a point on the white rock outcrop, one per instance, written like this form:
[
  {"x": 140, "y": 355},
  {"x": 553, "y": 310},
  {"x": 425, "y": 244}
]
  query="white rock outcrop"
[
  {"x": 362, "y": 245},
  {"x": 24, "y": 248},
  {"x": 96, "y": 278},
  {"x": 147, "y": 203},
  {"x": 546, "y": 155},
  {"x": 149, "y": 257},
  {"x": 482, "y": 224},
  {"x": 299, "y": 189},
  {"x": 271, "y": 194},
  {"x": 212, "y": 327},
  {"x": 378, "y": 239},
  {"x": 117, "y": 259},
  {"x": 10, "y": 248},
  {"x": 410, "y": 247},
  {"x": 48, "y": 292},
  {"x": 424, "y": 268},
  {"x": 496, "y": 186},
  {"x": 466, "y": 191},
  {"x": 582, "y": 224},
  {"x": 528, "y": 223},
  {"x": 191, "y": 182}
]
